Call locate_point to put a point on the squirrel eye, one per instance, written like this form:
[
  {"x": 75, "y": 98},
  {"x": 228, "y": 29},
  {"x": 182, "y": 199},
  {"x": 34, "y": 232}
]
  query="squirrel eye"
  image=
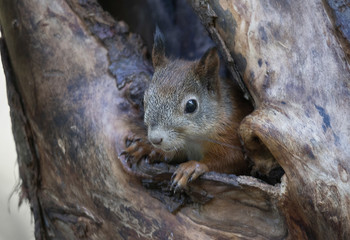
[{"x": 191, "y": 106}]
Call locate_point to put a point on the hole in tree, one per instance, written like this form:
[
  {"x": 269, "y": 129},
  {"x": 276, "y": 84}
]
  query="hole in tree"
[
  {"x": 264, "y": 165},
  {"x": 185, "y": 38}
]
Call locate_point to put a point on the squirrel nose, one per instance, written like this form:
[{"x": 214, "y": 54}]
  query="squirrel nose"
[{"x": 156, "y": 140}]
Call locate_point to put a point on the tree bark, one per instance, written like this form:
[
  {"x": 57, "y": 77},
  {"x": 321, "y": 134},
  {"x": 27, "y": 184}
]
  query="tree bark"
[
  {"x": 75, "y": 80},
  {"x": 297, "y": 71}
]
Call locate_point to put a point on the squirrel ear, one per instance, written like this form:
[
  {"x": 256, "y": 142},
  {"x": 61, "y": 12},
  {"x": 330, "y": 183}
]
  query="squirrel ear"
[
  {"x": 208, "y": 68},
  {"x": 158, "y": 52}
]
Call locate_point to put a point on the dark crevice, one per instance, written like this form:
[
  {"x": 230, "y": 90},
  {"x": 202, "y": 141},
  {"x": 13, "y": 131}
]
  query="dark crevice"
[
  {"x": 185, "y": 36},
  {"x": 274, "y": 177},
  {"x": 264, "y": 165}
]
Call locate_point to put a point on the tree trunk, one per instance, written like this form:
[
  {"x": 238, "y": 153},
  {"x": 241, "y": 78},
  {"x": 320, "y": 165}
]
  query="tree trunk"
[
  {"x": 298, "y": 74},
  {"x": 75, "y": 80}
]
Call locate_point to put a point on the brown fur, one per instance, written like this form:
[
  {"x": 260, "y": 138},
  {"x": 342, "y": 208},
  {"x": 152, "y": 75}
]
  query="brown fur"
[
  {"x": 224, "y": 154},
  {"x": 208, "y": 137}
]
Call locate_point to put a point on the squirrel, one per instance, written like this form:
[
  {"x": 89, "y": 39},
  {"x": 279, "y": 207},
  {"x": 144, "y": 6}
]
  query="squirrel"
[{"x": 192, "y": 113}]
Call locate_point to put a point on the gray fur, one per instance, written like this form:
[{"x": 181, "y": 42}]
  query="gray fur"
[{"x": 165, "y": 101}]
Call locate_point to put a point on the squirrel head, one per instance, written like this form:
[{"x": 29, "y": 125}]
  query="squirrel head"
[{"x": 183, "y": 101}]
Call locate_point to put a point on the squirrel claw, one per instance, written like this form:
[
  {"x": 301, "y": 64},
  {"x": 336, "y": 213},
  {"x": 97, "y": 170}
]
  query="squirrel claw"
[
  {"x": 187, "y": 172},
  {"x": 173, "y": 185},
  {"x": 138, "y": 149},
  {"x": 175, "y": 188},
  {"x": 178, "y": 189},
  {"x": 153, "y": 156},
  {"x": 122, "y": 153}
]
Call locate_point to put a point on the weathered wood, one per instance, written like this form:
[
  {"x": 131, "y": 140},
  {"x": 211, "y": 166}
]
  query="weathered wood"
[
  {"x": 76, "y": 77},
  {"x": 71, "y": 119},
  {"x": 296, "y": 70}
]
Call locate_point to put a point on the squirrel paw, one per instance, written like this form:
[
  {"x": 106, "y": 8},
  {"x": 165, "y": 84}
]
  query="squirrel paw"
[
  {"x": 187, "y": 172},
  {"x": 138, "y": 149}
]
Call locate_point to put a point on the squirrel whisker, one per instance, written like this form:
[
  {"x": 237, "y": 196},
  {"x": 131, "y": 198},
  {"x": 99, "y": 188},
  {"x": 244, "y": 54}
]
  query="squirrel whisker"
[
  {"x": 196, "y": 113},
  {"x": 217, "y": 142}
]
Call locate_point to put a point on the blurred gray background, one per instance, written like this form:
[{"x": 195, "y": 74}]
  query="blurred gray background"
[{"x": 15, "y": 223}]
